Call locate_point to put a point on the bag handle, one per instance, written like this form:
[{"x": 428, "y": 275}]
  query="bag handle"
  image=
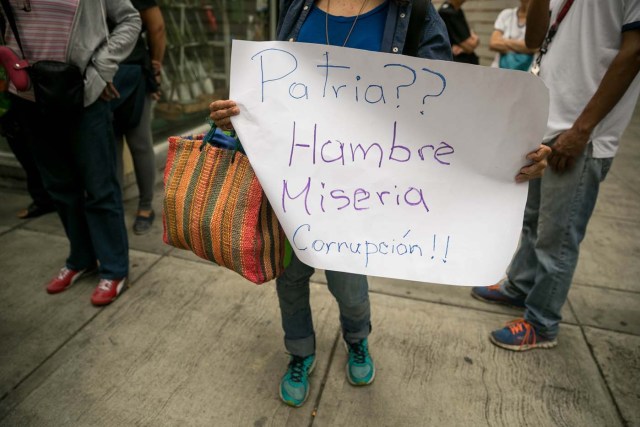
[
  {"x": 208, "y": 138},
  {"x": 8, "y": 12}
]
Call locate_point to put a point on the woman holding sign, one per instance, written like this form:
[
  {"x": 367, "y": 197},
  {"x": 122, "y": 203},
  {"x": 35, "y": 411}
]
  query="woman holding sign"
[{"x": 394, "y": 26}]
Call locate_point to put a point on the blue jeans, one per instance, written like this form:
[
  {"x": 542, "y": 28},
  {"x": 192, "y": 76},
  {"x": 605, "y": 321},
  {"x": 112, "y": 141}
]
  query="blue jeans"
[
  {"x": 555, "y": 220},
  {"x": 351, "y": 291},
  {"x": 77, "y": 160}
]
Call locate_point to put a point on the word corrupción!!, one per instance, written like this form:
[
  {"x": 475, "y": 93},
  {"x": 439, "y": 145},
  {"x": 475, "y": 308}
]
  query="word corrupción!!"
[{"x": 304, "y": 240}]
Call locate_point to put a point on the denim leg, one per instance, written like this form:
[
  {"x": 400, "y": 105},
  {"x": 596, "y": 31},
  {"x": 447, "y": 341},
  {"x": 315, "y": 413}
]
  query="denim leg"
[
  {"x": 95, "y": 156},
  {"x": 566, "y": 204},
  {"x": 293, "y": 294},
  {"x": 351, "y": 291},
  {"x": 53, "y": 151},
  {"x": 522, "y": 270}
]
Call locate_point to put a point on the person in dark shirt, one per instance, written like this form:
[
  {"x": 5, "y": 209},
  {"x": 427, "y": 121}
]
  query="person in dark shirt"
[
  {"x": 463, "y": 40},
  {"x": 139, "y": 75}
]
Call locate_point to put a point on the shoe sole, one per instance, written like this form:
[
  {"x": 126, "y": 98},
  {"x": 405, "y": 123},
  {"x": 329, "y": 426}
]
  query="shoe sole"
[
  {"x": 123, "y": 287},
  {"x": 293, "y": 405},
  {"x": 524, "y": 347},
  {"x": 74, "y": 280},
  {"x": 373, "y": 377},
  {"x": 141, "y": 232},
  {"x": 492, "y": 301}
]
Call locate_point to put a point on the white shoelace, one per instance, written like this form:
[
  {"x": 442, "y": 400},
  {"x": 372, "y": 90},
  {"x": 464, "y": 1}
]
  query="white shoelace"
[
  {"x": 63, "y": 272},
  {"x": 105, "y": 285}
]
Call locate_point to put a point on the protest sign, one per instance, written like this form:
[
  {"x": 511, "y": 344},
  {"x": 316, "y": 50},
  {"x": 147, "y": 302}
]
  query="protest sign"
[{"x": 388, "y": 165}]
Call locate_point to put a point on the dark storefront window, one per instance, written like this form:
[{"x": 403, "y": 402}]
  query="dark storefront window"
[{"x": 196, "y": 63}]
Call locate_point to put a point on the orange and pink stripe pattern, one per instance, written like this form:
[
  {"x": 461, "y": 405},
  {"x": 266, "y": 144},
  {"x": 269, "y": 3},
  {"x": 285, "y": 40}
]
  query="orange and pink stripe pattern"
[{"x": 215, "y": 207}]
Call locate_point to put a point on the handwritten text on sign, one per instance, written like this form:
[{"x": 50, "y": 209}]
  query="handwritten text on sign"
[{"x": 388, "y": 165}]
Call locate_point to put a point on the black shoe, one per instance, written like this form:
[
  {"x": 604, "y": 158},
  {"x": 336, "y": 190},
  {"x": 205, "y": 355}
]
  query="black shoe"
[
  {"x": 34, "y": 211},
  {"x": 143, "y": 224}
]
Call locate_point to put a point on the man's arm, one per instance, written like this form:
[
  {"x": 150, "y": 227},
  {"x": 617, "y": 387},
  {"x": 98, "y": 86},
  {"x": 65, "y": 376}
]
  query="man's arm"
[
  {"x": 470, "y": 44},
  {"x": 153, "y": 21},
  {"x": 537, "y": 23},
  {"x": 619, "y": 76}
]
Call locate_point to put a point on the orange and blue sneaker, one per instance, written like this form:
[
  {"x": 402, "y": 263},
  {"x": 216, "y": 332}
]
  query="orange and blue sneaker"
[
  {"x": 520, "y": 335},
  {"x": 493, "y": 295},
  {"x": 360, "y": 367},
  {"x": 294, "y": 386}
]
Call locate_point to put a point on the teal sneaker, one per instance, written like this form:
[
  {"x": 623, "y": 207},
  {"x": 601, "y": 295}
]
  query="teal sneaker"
[
  {"x": 360, "y": 367},
  {"x": 294, "y": 386}
]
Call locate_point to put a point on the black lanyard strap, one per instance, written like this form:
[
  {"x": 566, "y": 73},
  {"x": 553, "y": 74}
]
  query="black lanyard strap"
[{"x": 552, "y": 31}]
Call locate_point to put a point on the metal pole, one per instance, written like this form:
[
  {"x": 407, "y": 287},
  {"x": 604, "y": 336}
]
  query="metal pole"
[{"x": 273, "y": 18}]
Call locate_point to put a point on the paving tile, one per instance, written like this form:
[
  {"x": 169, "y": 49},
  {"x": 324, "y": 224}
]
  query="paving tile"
[
  {"x": 459, "y": 296},
  {"x": 606, "y": 308},
  {"x": 436, "y": 366},
  {"x": 12, "y": 203},
  {"x": 617, "y": 200},
  {"x": 626, "y": 161},
  {"x": 443, "y": 294},
  {"x": 47, "y": 224},
  {"x": 33, "y": 324},
  {"x": 609, "y": 254},
  {"x": 152, "y": 241},
  {"x": 188, "y": 255},
  {"x": 189, "y": 345},
  {"x": 619, "y": 358}
]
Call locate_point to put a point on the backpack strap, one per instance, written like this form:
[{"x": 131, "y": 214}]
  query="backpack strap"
[{"x": 414, "y": 31}]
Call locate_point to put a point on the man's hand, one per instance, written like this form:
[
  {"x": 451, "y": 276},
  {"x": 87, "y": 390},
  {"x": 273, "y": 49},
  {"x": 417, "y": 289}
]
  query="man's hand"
[
  {"x": 156, "y": 67},
  {"x": 109, "y": 92},
  {"x": 456, "y": 50},
  {"x": 569, "y": 145}
]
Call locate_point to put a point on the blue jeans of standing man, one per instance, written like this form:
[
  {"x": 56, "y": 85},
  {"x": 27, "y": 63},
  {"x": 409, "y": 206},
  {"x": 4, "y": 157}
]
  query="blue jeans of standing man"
[
  {"x": 555, "y": 220},
  {"x": 351, "y": 291},
  {"x": 76, "y": 157}
]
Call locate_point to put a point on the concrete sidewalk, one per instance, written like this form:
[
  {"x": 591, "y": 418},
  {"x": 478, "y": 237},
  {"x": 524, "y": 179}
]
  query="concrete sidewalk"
[{"x": 194, "y": 344}]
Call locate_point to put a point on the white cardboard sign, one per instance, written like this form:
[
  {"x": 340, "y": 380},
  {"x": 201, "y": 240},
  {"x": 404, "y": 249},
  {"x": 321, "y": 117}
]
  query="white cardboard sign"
[{"x": 387, "y": 165}]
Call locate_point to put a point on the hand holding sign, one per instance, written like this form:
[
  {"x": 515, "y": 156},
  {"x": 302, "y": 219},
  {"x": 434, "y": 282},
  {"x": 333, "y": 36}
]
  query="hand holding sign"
[
  {"x": 221, "y": 113},
  {"x": 368, "y": 172}
]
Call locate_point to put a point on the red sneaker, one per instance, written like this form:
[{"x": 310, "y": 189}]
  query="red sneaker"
[
  {"x": 107, "y": 291},
  {"x": 65, "y": 278}
]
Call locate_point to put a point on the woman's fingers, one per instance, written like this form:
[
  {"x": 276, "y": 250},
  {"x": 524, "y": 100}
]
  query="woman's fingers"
[
  {"x": 536, "y": 169},
  {"x": 222, "y": 111},
  {"x": 540, "y": 154}
]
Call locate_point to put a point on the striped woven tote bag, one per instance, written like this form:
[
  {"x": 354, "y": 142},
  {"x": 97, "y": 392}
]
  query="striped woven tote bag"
[{"x": 215, "y": 207}]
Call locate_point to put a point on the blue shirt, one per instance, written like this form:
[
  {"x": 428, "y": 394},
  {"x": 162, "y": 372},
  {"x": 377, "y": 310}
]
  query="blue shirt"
[
  {"x": 367, "y": 29},
  {"x": 434, "y": 43}
]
